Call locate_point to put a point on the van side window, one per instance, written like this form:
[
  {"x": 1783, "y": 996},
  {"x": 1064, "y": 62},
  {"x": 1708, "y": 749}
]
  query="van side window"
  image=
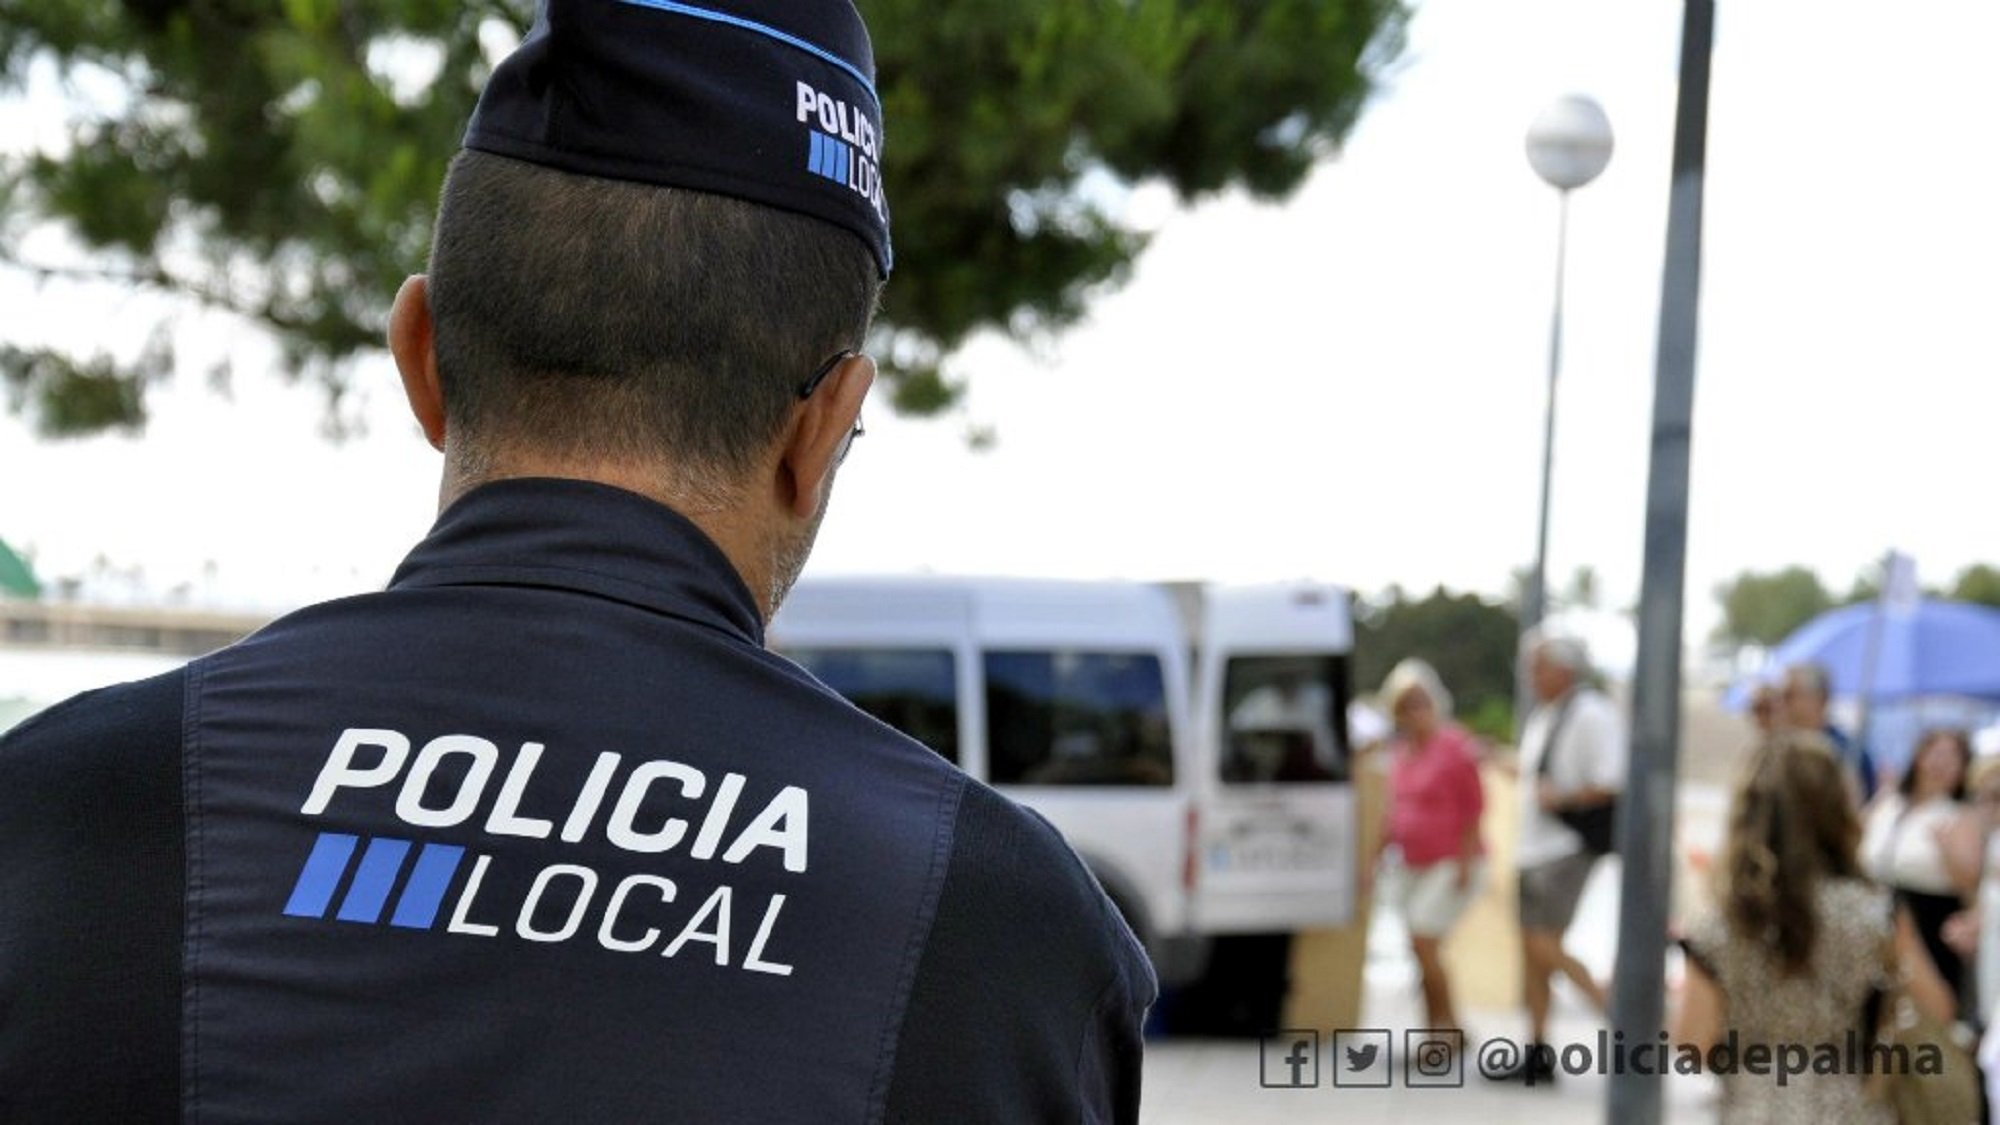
[
  {"x": 1284, "y": 719},
  {"x": 914, "y": 690},
  {"x": 1077, "y": 718}
]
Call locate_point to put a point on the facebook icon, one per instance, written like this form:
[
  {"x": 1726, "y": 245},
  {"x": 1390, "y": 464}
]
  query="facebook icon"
[{"x": 1291, "y": 1060}]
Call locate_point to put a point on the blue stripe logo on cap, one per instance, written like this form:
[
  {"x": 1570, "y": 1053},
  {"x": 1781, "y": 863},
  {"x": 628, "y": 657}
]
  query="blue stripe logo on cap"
[{"x": 830, "y": 159}]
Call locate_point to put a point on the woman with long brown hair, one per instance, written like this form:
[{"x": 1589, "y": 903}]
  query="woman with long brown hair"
[{"x": 1796, "y": 941}]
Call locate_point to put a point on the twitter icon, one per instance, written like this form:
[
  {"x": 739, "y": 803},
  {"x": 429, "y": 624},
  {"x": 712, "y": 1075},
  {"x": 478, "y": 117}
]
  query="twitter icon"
[{"x": 1362, "y": 1058}]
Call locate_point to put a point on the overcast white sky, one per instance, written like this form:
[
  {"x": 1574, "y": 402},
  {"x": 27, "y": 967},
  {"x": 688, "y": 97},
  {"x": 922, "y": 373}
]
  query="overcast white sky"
[{"x": 1346, "y": 386}]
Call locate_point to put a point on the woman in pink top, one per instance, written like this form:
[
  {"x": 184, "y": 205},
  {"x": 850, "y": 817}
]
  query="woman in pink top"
[{"x": 1432, "y": 825}]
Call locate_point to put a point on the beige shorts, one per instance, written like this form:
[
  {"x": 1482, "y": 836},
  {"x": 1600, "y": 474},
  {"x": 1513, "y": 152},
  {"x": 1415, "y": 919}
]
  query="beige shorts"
[{"x": 1431, "y": 899}]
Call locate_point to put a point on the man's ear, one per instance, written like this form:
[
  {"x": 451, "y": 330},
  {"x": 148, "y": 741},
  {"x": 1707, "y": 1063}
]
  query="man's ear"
[
  {"x": 413, "y": 344},
  {"x": 823, "y": 428}
]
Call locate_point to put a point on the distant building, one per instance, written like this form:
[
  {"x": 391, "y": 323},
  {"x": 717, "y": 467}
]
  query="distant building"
[
  {"x": 80, "y": 625},
  {"x": 52, "y": 647},
  {"x": 51, "y": 650}
]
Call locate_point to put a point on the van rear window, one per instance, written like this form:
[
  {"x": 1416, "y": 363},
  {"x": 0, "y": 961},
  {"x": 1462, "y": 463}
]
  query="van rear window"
[
  {"x": 914, "y": 690},
  {"x": 1284, "y": 719},
  {"x": 1077, "y": 718}
]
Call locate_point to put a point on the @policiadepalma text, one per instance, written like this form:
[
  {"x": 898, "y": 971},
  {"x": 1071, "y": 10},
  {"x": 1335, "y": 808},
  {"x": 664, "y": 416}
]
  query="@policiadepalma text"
[{"x": 1781, "y": 1061}]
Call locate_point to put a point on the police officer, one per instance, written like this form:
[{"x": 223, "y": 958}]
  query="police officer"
[{"x": 542, "y": 832}]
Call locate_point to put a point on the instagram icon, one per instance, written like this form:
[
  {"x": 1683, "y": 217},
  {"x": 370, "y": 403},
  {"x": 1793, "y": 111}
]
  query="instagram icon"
[{"x": 1433, "y": 1058}]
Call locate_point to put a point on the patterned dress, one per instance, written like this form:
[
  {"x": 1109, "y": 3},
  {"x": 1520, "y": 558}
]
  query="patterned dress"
[{"x": 1815, "y": 1009}]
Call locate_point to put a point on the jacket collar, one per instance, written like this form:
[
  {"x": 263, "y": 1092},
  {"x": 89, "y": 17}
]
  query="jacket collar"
[{"x": 581, "y": 535}]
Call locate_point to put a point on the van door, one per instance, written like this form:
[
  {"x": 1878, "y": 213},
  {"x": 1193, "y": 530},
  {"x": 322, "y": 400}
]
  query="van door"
[
  {"x": 1085, "y": 697},
  {"x": 1276, "y": 817}
]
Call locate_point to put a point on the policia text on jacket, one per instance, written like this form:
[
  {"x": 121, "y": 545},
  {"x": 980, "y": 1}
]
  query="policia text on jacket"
[{"x": 446, "y": 785}]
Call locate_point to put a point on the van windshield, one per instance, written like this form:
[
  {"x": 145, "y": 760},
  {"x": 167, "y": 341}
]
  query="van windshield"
[
  {"x": 1284, "y": 719},
  {"x": 914, "y": 690}
]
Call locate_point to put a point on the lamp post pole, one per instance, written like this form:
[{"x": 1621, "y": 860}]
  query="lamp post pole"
[
  {"x": 1569, "y": 145},
  {"x": 1535, "y": 601}
]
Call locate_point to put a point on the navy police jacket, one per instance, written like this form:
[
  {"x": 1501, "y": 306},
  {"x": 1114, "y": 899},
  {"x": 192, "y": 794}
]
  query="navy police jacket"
[{"x": 539, "y": 833}]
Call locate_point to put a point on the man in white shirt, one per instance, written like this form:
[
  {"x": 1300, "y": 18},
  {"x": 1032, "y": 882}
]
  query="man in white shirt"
[{"x": 1572, "y": 759}]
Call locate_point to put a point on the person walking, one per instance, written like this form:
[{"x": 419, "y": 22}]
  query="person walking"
[
  {"x": 1796, "y": 941},
  {"x": 542, "y": 832},
  {"x": 1907, "y": 843},
  {"x": 1431, "y": 829},
  {"x": 1971, "y": 851},
  {"x": 1807, "y": 693},
  {"x": 1766, "y": 709},
  {"x": 1572, "y": 768}
]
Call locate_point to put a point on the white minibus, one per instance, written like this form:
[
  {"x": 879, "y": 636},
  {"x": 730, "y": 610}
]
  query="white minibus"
[{"x": 1188, "y": 740}]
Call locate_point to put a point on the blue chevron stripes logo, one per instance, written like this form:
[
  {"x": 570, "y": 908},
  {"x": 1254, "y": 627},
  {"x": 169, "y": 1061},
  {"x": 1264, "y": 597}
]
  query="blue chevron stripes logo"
[
  {"x": 374, "y": 880},
  {"x": 829, "y": 158}
]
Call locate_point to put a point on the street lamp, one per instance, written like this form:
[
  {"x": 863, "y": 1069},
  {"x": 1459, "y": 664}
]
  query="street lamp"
[{"x": 1569, "y": 143}]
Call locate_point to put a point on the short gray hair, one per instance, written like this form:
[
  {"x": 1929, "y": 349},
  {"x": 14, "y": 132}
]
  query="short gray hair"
[
  {"x": 1561, "y": 650},
  {"x": 1814, "y": 676}
]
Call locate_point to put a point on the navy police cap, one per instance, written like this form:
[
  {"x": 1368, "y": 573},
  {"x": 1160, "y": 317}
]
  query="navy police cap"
[{"x": 771, "y": 101}]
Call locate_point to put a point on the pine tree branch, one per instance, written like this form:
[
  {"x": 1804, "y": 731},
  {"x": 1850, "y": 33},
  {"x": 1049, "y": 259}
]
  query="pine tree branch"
[{"x": 156, "y": 277}]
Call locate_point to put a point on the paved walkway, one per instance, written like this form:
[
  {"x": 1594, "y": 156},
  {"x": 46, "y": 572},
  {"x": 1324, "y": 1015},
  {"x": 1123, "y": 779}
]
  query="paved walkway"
[{"x": 1221, "y": 1082}]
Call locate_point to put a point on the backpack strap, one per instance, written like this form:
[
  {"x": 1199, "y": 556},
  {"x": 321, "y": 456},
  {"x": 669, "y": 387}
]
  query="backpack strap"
[{"x": 1556, "y": 726}]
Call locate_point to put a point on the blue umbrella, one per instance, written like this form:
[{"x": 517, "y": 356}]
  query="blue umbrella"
[{"x": 1930, "y": 648}]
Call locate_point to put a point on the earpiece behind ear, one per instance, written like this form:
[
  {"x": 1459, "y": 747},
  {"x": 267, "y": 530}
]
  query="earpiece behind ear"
[{"x": 828, "y": 422}]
